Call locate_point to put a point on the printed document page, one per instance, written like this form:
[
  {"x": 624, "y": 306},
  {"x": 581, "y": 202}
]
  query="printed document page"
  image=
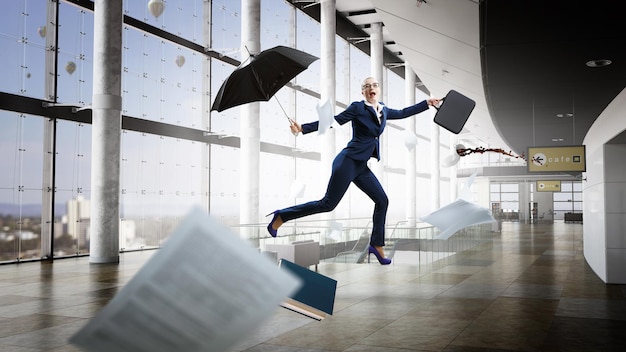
[{"x": 204, "y": 290}]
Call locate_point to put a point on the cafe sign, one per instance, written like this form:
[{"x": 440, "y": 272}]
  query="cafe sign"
[
  {"x": 554, "y": 159},
  {"x": 548, "y": 186}
]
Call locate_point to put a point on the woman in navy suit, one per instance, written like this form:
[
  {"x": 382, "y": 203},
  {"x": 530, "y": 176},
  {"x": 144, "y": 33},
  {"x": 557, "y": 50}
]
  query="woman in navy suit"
[{"x": 368, "y": 118}]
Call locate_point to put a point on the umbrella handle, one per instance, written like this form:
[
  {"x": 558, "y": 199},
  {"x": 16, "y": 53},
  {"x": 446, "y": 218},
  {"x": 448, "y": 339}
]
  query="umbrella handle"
[{"x": 295, "y": 131}]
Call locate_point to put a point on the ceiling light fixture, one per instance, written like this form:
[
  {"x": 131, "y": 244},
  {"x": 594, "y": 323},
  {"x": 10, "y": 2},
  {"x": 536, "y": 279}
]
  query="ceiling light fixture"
[
  {"x": 598, "y": 63},
  {"x": 569, "y": 114},
  {"x": 392, "y": 65},
  {"x": 308, "y": 3},
  {"x": 357, "y": 40}
]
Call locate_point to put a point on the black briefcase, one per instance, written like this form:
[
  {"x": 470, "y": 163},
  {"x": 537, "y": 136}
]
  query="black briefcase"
[{"x": 454, "y": 111}]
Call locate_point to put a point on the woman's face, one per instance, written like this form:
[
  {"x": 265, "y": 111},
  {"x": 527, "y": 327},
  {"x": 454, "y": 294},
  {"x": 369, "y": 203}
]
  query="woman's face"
[{"x": 370, "y": 90}]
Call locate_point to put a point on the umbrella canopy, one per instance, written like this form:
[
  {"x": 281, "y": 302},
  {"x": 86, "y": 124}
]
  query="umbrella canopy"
[{"x": 261, "y": 76}]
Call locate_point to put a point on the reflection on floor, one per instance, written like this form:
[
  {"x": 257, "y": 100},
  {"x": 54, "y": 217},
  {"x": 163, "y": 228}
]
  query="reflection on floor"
[{"x": 527, "y": 290}]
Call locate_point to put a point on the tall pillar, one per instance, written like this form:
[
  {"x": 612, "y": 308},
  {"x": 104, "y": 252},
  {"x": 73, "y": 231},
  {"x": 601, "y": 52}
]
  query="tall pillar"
[
  {"x": 106, "y": 132},
  {"x": 250, "y": 149},
  {"x": 454, "y": 188},
  {"x": 376, "y": 71},
  {"x": 349, "y": 88},
  {"x": 435, "y": 174},
  {"x": 293, "y": 16},
  {"x": 328, "y": 29},
  {"x": 524, "y": 201},
  {"x": 411, "y": 156},
  {"x": 206, "y": 108},
  {"x": 49, "y": 151}
]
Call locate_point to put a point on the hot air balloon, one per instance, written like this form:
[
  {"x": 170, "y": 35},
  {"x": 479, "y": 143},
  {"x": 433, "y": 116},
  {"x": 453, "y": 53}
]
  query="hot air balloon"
[
  {"x": 156, "y": 7},
  {"x": 180, "y": 60},
  {"x": 70, "y": 67},
  {"x": 42, "y": 31}
]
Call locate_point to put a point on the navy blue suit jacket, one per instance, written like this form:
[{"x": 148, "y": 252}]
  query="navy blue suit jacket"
[{"x": 365, "y": 127}]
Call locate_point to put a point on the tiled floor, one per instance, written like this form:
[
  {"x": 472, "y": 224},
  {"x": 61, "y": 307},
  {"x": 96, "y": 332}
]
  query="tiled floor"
[{"x": 527, "y": 290}]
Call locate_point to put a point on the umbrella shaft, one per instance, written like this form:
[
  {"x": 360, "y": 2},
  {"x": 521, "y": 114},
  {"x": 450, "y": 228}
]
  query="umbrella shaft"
[{"x": 281, "y": 107}]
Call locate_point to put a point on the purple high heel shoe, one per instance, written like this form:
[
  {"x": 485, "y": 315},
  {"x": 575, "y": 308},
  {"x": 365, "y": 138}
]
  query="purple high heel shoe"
[
  {"x": 382, "y": 260},
  {"x": 270, "y": 229}
]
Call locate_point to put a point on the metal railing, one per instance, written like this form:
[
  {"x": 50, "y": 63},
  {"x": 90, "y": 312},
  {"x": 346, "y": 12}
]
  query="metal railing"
[{"x": 348, "y": 243}]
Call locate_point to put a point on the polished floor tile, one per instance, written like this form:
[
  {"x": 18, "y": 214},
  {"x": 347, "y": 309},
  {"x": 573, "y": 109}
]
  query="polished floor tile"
[{"x": 528, "y": 288}]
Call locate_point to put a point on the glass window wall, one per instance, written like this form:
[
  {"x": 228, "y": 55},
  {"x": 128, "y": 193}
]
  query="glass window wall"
[
  {"x": 161, "y": 179},
  {"x": 73, "y": 185},
  {"x": 75, "y": 55},
  {"x": 569, "y": 200},
  {"x": 507, "y": 196},
  {"x": 21, "y": 179},
  {"x": 170, "y": 82}
]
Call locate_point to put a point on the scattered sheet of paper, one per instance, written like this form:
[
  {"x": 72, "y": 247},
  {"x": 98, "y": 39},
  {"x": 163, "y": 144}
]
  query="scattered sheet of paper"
[
  {"x": 450, "y": 160},
  {"x": 326, "y": 117},
  {"x": 204, "y": 290},
  {"x": 459, "y": 214},
  {"x": 466, "y": 192},
  {"x": 297, "y": 189},
  {"x": 410, "y": 140},
  {"x": 456, "y": 216},
  {"x": 334, "y": 230}
]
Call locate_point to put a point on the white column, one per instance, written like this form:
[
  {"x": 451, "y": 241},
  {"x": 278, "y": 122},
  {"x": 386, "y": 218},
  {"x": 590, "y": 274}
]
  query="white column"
[
  {"x": 250, "y": 138},
  {"x": 106, "y": 132},
  {"x": 328, "y": 25},
  {"x": 454, "y": 188},
  {"x": 524, "y": 202},
  {"x": 348, "y": 89},
  {"x": 435, "y": 174},
  {"x": 49, "y": 151},
  {"x": 411, "y": 156},
  {"x": 206, "y": 107},
  {"x": 293, "y": 15},
  {"x": 376, "y": 70}
]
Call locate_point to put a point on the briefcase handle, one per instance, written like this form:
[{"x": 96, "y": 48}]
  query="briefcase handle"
[{"x": 440, "y": 102}]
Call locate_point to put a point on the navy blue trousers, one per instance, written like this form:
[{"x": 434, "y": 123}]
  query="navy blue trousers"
[{"x": 344, "y": 171}]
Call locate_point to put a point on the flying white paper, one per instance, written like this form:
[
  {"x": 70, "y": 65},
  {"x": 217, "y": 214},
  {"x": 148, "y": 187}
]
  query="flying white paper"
[
  {"x": 204, "y": 290},
  {"x": 466, "y": 192},
  {"x": 297, "y": 189},
  {"x": 335, "y": 229},
  {"x": 326, "y": 118},
  {"x": 410, "y": 140},
  {"x": 456, "y": 216},
  {"x": 450, "y": 160},
  {"x": 459, "y": 214}
]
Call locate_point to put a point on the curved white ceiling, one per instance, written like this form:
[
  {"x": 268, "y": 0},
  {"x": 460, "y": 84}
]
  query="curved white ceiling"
[{"x": 440, "y": 41}]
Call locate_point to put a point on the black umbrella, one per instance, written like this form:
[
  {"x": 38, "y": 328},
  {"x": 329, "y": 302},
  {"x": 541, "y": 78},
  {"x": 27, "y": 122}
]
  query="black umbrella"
[{"x": 261, "y": 76}]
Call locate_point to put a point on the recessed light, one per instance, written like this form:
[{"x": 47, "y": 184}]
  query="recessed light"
[
  {"x": 560, "y": 115},
  {"x": 598, "y": 63},
  {"x": 557, "y": 139}
]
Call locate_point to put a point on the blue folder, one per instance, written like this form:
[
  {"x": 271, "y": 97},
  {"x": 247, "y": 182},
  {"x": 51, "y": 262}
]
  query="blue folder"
[{"x": 316, "y": 296}]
